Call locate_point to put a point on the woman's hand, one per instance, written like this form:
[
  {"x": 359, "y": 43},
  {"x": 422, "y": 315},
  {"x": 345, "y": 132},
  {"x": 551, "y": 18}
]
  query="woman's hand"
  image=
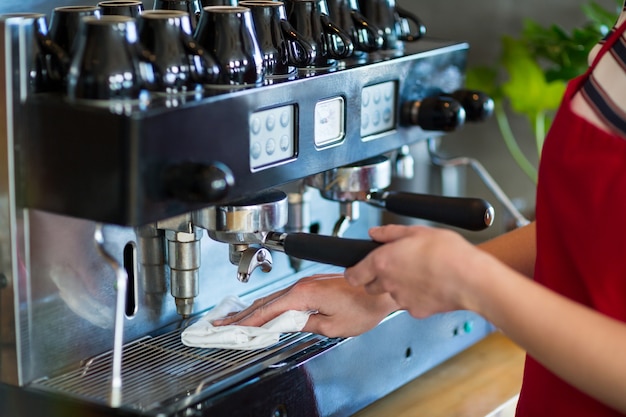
[
  {"x": 425, "y": 270},
  {"x": 342, "y": 310}
]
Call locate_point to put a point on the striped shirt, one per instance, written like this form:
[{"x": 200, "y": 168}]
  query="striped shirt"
[{"x": 602, "y": 99}]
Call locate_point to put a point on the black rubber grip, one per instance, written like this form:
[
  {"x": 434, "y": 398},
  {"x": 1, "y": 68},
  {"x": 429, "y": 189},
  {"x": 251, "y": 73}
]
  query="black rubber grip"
[
  {"x": 330, "y": 250},
  {"x": 464, "y": 212}
]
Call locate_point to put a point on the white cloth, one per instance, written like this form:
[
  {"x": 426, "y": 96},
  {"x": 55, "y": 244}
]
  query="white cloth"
[{"x": 203, "y": 334}]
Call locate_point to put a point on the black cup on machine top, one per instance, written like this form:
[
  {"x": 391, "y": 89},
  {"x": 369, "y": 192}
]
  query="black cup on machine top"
[
  {"x": 397, "y": 24},
  {"x": 283, "y": 48},
  {"x": 365, "y": 35},
  {"x": 129, "y": 8},
  {"x": 327, "y": 38},
  {"x": 47, "y": 63},
  {"x": 192, "y": 7},
  {"x": 109, "y": 62},
  {"x": 227, "y": 33},
  {"x": 65, "y": 24},
  {"x": 207, "y": 3},
  {"x": 179, "y": 64}
]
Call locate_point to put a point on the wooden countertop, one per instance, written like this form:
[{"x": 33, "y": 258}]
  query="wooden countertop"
[{"x": 475, "y": 383}]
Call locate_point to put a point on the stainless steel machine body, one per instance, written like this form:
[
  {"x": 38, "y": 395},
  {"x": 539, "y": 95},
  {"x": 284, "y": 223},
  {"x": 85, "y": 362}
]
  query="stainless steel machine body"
[{"x": 102, "y": 263}]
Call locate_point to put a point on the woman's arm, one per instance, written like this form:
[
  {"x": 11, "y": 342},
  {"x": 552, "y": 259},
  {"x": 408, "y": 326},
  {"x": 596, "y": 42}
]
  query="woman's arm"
[
  {"x": 429, "y": 271},
  {"x": 580, "y": 345},
  {"x": 517, "y": 249}
]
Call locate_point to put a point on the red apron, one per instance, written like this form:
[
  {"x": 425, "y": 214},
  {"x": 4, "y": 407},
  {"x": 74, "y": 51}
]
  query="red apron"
[{"x": 581, "y": 239}]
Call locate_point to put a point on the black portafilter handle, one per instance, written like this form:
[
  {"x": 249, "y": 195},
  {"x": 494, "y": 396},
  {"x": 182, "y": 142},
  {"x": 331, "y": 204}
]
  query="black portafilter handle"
[
  {"x": 324, "y": 249},
  {"x": 463, "y": 212}
]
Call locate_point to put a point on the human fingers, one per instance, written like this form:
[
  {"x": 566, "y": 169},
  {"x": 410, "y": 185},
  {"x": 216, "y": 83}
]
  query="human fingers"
[
  {"x": 329, "y": 326},
  {"x": 380, "y": 260},
  {"x": 363, "y": 272},
  {"x": 375, "y": 287},
  {"x": 368, "y": 269},
  {"x": 256, "y": 306},
  {"x": 321, "y": 277},
  {"x": 392, "y": 232},
  {"x": 294, "y": 297},
  {"x": 342, "y": 310},
  {"x": 252, "y": 316}
]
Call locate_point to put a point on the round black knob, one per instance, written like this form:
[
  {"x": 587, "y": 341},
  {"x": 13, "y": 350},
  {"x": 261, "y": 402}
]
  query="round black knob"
[
  {"x": 434, "y": 113},
  {"x": 198, "y": 182},
  {"x": 478, "y": 106}
]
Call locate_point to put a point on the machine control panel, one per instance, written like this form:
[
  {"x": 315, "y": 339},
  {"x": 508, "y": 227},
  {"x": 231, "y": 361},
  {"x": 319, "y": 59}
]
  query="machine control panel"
[
  {"x": 264, "y": 136},
  {"x": 272, "y": 136},
  {"x": 378, "y": 104},
  {"x": 329, "y": 122}
]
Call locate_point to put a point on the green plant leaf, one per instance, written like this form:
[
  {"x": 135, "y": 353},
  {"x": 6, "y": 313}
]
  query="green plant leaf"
[
  {"x": 562, "y": 55},
  {"x": 527, "y": 89},
  {"x": 483, "y": 79},
  {"x": 601, "y": 18}
]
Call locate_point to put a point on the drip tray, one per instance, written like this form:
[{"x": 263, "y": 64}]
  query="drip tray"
[{"x": 160, "y": 372}]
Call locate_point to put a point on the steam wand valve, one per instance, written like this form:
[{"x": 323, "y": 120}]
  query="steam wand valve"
[
  {"x": 478, "y": 106},
  {"x": 435, "y": 113},
  {"x": 448, "y": 111}
]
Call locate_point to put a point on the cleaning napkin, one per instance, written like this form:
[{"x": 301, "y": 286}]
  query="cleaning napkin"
[{"x": 203, "y": 334}]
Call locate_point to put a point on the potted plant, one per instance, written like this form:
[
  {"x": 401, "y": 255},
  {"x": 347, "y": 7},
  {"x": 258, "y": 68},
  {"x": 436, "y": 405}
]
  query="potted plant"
[{"x": 532, "y": 72}]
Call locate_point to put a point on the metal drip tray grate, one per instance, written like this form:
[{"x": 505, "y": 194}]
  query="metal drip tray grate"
[{"x": 157, "y": 371}]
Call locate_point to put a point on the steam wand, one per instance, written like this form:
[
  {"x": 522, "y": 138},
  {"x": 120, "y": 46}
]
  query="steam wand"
[
  {"x": 484, "y": 175},
  {"x": 121, "y": 282}
]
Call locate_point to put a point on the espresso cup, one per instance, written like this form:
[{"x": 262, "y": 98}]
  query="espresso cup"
[
  {"x": 44, "y": 63},
  {"x": 122, "y": 8},
  {"x": 179, "y": 64},
  {"x": 365, "y": 35},
  {"x": 192, "y": 7},
  {"x": 227, "y": 33},
  {"x": 109, "y": 63},
  {"x": 207, "y": 3},
  {"x": 394, "y": 21},
  {"x": 327, "y": 38},
  {"x": 65, "y": 24},
  {"x": 281, "y": 45}
]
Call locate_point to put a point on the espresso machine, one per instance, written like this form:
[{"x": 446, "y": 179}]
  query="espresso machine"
[{"x": 122, "y": 224}]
